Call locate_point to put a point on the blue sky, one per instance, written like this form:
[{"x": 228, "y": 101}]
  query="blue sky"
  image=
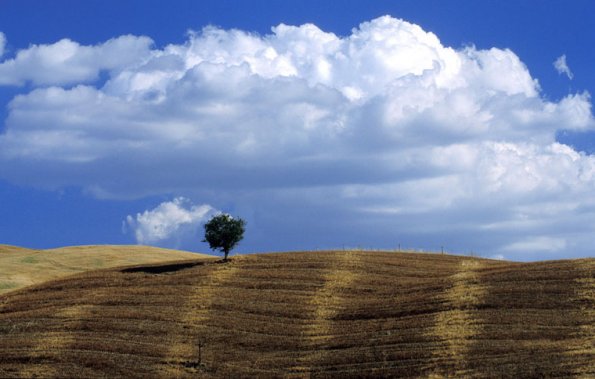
[{"x": 324, "y": 124}]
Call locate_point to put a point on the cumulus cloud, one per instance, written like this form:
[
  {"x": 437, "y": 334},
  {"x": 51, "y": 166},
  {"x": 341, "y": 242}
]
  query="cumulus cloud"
[
  {"x": 168, "y": 223},
  {"x": 562, "y": 67},
  {"x": 67, "y": 62},
  {"x": 385, "y": 125}
]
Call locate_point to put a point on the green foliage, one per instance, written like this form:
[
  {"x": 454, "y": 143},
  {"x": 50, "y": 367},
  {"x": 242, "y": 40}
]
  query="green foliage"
[
  {"x": 223, "y": 232},
  {"x": 7, "y": 285},
  {"x": 30, "y": 260}
]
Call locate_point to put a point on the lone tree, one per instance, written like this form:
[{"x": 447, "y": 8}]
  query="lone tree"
[{"x": 223, "y": 232}]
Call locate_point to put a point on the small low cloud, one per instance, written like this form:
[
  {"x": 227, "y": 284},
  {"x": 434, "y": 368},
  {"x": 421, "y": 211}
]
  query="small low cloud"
[
  {"x": 562, "y": 67},
  {"x": 538, "y": 244},
  {"x": 168, "y": 224},
  {"x": 2, "y": 43},
  {"x": 498, "y": 257}
]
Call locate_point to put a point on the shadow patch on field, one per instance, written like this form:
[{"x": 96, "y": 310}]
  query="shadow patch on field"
[
  {"x": 162, "y": 268},
  {"x": 170, "y": 267}
]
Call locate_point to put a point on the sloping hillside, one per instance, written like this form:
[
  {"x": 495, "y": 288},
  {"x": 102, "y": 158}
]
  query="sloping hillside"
[
  {"x": 21, "y": 267},
  {"x": 324, "y": 314}
]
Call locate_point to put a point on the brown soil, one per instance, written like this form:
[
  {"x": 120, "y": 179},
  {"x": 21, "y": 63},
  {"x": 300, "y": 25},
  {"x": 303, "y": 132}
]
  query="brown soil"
[{"x": 313, "y": 314}]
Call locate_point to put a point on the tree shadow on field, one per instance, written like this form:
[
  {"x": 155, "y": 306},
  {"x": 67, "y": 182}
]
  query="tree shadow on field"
[{"x": 167, "y": 268}]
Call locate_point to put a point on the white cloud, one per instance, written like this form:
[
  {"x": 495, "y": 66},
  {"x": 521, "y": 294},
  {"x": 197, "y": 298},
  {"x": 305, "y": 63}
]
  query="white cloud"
[
  {"x": 498, "y": 257},
  {"x": 168, "y": 223},
  {"x": 385, "y": 125},
  {"x": 537, "y": 244},
  {"x": 562, "y": 67},
  {"x": 2, "y": 43},
  {"x": 67, "y": 62}
]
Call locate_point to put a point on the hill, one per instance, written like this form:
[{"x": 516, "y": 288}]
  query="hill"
[
  {"x": 323, "y": 314},
  {"x": 20, "y": 267}
]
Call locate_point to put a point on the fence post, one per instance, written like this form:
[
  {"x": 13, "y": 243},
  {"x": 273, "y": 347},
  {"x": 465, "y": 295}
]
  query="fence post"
[{"x": 200, "y": 346}]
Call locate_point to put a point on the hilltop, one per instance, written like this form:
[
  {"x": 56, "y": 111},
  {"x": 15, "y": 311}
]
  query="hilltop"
[
  {"x": 326, "y": 314},
  {"x": 20, "y": 267}
]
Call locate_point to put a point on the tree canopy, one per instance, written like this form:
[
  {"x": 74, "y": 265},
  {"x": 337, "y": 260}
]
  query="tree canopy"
[{"x": 223, "y": 232}]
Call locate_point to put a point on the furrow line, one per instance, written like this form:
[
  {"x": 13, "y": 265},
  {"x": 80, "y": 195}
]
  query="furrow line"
[
  {"x": 198, "y": 307},
  {"x": 457, "y": 327},
  {"x": 327, "y": 303}
]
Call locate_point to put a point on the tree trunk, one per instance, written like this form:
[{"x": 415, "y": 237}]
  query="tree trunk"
[{"x": 226, "y": 252}]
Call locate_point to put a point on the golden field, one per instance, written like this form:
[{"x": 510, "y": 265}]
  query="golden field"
[{"x": 20, "y": 267}]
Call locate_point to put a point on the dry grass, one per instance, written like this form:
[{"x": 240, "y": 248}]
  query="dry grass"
[
  {"x": 456, "y": 327},
  {"x": 323, "y": 314},
  {"x": 20, "y": 267}
]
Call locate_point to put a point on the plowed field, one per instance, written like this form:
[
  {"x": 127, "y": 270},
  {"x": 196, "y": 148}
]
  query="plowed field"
[{"x": 312, "y": 314}]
